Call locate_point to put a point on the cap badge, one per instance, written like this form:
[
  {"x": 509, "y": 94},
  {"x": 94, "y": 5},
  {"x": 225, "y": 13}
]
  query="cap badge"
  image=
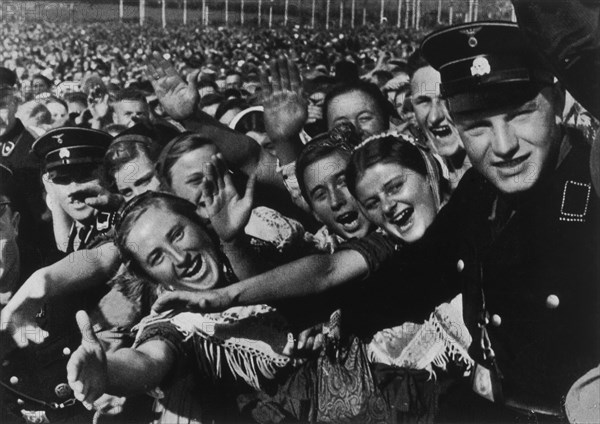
[
  {"x": 64, "y": 153},
  {"x": 471, "y": 32},
  {"x": 480, "y": 66},
  {"x": 7, "y": 148},
  {"x": 58, "y": 138}
]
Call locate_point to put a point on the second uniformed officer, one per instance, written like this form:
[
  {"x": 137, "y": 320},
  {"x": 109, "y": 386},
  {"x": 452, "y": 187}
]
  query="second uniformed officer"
[{"x": 72, "y": 160}]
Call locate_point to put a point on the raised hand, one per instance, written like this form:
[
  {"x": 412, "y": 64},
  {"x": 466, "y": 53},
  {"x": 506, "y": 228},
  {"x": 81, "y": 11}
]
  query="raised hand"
[
  {"x": 286, "y": 109},
  {"x": 105, "y": 202},
  {"x": 228, "y": 212},
  {"x": 18, "y": 316},
  {"x": 178, "y": 97},
  {"x": 201, "y": 301},
  {"x": 86, "y": 370}
]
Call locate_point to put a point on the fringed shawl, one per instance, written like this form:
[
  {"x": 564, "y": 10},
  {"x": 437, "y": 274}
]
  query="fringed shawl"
[
  {"x": 442, "y": 339},
  {"x": 248, "y": 340}
]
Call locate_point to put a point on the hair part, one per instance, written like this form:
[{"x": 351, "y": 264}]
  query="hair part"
[{"x": 383, "y": 150}]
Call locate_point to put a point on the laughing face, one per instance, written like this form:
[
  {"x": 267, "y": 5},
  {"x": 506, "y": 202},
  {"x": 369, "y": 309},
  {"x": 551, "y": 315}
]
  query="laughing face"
[
  {"x": 330, "y": 199},
  {"x": 397, "y": 199},
  {"x": 432, "y": 113},
  {"x": 174, "y": 251},
  {"x": 188, "y": 173}
]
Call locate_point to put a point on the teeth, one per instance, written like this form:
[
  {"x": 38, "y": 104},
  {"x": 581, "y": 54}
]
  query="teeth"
[
  {"x": 347, "y": 218},
  {"x": 401, "y": 220},
  {"x": 194, "y": 269},
  {"x": 441, "y": 131}
]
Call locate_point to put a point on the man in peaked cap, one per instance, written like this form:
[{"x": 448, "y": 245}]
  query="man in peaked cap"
[
  {"x": 520, "y": 235},
  {"x": 71, "y": 162}
]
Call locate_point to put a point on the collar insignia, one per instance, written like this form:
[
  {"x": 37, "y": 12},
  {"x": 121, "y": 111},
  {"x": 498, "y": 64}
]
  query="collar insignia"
[{"x": 7, "y": 148}]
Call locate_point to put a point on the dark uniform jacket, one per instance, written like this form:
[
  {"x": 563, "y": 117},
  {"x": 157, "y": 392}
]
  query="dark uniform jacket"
[{"x": 528, "y": 270}]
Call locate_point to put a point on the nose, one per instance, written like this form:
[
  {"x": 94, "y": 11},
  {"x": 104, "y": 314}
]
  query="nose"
[
  {"x": 504, "y": 143},
  {"x": 180, "y": 258},
  {"x": 337, "y": 199},
  {"x": 388, "y": 205},
  {"x": 436, "y": 113}
]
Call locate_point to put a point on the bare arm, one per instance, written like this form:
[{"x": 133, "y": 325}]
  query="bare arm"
[
  {"x": 78, "y": 271},
  {"x": 91, "y": 372},
  {"x": 309, "y": 275},
  {"x": 180, "y": 100}
]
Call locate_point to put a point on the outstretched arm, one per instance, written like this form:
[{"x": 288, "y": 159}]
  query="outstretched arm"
[
  {"x": 309, "y": 275},
  {"x": 91, "y": 372},
  {"x": 78, "y": 271}
]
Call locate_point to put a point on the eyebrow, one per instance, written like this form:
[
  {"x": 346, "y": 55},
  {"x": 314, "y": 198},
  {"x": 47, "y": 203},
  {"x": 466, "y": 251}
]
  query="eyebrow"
[
  {"x": 143, "y": 178},
  {"x": 318, "y": 186}
]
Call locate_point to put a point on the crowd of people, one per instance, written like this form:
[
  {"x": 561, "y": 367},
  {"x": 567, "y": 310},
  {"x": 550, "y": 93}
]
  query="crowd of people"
[{"x": 285, "y": 225}]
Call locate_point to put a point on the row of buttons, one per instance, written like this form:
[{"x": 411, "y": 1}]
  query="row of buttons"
[{"x": 552, "y": 301}]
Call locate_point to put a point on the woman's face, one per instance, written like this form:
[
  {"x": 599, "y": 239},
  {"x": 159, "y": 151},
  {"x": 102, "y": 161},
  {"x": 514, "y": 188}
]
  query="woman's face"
[
  {"x": 188, "y": 173},
  {"x": 397, "y": 199},
  {"x": 136, "y": 177},
  {"x": 359, "y": 109},
  {"x": 174, "y": 251}
]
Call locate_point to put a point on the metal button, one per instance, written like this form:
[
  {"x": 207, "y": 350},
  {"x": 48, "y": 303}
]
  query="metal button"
[
  {"x": 460, "y": 265},
  {"x": 496, "y": 320},
  {"x": 66, "y": 351},
  {"x": 63, "y": 390},
  {"x": 20, "y": 401},
  {"x": 552, "y": 301},
  {"x": 14, "y": 380}
]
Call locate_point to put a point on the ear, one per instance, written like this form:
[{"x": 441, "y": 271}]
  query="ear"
[{"x": 16, "y": 219}]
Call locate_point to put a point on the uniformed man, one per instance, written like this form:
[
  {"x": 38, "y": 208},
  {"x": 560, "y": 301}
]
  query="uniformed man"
[
  {"x": 33, "y": 384},
  {"x": 15, "y": 150},
  {"x": 71, "y": 163},
  {"x": 520, "y": 236}
]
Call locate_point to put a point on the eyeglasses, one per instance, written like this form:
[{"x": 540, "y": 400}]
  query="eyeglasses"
[{"x": 3, "y": 208}]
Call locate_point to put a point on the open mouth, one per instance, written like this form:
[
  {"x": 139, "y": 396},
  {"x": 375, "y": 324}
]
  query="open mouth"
[
  {"x": 441, "y": 131},
  {"x": 193, "y": 271},
  {"x": 348, "y": 220},
  {"x": 403, "y": 219},
  {"x": 512, "y": 163}
]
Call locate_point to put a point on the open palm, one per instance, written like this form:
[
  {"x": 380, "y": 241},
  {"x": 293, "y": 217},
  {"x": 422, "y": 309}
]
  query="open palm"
[
  {"x": 178, "y": 97},
  {"x": 286, "y": 109},
  {"x": 228, "y": 212}
]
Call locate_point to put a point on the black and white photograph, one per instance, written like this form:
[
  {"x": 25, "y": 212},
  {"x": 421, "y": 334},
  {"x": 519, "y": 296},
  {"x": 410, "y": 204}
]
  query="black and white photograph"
[{"x": 300, "y": 211}]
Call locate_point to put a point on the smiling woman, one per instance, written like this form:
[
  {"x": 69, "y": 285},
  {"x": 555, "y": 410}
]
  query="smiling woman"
[{"x": 179, "y": 254}]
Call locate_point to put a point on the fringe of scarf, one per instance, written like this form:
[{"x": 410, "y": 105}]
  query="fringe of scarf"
[{"x": 251, "y": 360}]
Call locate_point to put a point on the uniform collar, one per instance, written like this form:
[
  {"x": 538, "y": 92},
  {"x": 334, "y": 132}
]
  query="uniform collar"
[{"x": 15, "y": 131}]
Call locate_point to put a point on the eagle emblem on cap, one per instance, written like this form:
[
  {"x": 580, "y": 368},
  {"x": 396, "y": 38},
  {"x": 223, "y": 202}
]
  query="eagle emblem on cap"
[
  {"x": 480, "y": 66},
  {"x": 64, "y": 153},
  {"x": 58, "y": 138}
]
